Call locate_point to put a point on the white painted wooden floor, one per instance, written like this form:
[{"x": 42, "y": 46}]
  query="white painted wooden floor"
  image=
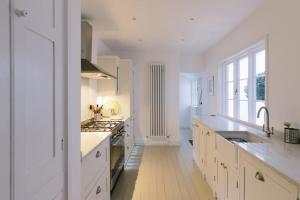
[{"x": 162, "y": 173}]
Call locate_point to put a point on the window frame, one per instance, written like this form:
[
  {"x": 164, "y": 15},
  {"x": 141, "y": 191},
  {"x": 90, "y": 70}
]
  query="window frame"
[{"x": 249, "y": 52}]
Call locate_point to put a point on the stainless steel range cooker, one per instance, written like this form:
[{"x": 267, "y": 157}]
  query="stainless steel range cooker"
[{"x": 117, "y": 147}]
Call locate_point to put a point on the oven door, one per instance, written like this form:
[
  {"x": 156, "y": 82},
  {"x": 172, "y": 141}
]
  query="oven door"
[{"x": 117, "y": 156}]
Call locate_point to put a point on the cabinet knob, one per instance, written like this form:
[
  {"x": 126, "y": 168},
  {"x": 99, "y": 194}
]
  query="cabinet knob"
[
  {"x": 259, "y": 176},
  {"x": 98, "y": 191},
  {"x": 98, "y": 154},
  {"x": 21, "y": 13}
]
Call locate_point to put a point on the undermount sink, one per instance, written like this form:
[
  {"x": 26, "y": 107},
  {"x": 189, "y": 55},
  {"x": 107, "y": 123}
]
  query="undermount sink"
[{"x": 242, "y": 137}]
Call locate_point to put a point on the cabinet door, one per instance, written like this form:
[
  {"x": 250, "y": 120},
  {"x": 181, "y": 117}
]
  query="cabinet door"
[
  {"x": 231, "y": 185},
  {"x": 221, "y": 180},
  {"x": 38, "y": 102},
  {"x": 210, "y": 158},
  {"x": 259, "y": 185},
  {"x": 196, "y": 142},
  {"x": 109, "y": 87},
  {"x": 202, "y": 149}
]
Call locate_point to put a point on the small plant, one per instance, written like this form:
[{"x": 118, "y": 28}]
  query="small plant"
[
  {"x": 96, "y": 109},
  {"x": 287, "y": 125}
]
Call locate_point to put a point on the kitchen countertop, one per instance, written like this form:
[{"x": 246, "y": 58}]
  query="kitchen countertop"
[
  {"x": 90, "y": 140},
  {"x": 282, "y": 157}
]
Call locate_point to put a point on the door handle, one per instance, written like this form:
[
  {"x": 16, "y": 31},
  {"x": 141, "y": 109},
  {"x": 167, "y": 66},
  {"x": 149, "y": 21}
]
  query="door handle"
[
  {"x": 21, "y": 13},
  {"x": 259, "y": 176}
]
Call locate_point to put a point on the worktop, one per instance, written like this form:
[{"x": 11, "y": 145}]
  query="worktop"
[
  {"x": 282, "y": 157},
  {"x": 90, "y": 140}
]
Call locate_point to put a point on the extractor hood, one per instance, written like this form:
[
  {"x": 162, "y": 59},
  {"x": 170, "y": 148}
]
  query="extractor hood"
[{"x": 88, "y": 69}]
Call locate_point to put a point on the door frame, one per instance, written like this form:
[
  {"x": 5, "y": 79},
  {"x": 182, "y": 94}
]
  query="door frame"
[{"x": 73, "y": 65}]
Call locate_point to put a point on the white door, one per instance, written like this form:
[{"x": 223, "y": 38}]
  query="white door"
[{"x": 38, "y": 103}]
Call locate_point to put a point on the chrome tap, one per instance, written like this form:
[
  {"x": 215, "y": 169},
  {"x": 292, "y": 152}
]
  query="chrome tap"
[{"x": 267, "y": 130}]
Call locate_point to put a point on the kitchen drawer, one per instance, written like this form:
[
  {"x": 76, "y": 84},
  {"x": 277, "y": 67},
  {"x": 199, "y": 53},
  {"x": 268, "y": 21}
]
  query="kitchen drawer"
[
  {"x": 101, "y": 189},
  {"x": 260, "y": 182},
  {"x": 94, "y": 164}
]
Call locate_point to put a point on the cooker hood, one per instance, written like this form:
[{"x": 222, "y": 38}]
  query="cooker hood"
[{"x": 88, "y": 69}]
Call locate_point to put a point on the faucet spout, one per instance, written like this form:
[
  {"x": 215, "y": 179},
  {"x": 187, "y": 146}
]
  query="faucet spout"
[{"x": 268, "y": 131}]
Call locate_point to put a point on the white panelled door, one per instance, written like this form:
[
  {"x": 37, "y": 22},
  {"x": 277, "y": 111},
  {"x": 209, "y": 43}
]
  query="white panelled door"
[{"x": 38, "y": 103}]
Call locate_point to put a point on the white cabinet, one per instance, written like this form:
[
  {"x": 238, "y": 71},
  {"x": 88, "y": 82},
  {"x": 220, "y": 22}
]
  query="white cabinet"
[
  {"x": 110, "y": 64},
  {"x": 227, "y": 184},
  {"x": 129, "y": 139},
  {"x": 262, "y": 183},
  {"x": 95, "y": 173},
  {"x": 196, "y": 143},
  {"x": 204, "y": 151}
]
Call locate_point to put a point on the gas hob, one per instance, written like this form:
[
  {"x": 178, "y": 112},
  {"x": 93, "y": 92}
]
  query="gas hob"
[{"x": 100, "y": 126}]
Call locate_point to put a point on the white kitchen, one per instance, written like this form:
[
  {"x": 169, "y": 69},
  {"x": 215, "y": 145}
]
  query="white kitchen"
[{"x": 149, "y": 100}]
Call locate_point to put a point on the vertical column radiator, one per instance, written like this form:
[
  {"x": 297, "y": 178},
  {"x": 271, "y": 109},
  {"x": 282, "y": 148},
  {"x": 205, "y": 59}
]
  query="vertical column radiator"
[{"x": 157, "y": 101}]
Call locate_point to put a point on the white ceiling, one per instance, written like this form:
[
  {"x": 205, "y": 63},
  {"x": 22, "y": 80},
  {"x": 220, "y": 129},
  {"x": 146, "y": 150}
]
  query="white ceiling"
[{"x": 165, "y": 23}]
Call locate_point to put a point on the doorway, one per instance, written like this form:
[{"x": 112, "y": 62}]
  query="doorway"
[{"x": 190, "y": 102}]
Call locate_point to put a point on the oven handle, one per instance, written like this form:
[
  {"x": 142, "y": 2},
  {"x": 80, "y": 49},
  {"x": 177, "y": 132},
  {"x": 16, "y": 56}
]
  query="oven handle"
[{"x": 116, "y": 140}]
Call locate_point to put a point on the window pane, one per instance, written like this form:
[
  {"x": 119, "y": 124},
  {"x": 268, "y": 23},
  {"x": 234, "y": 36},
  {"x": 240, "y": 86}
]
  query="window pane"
[
  {"x": 244, "y": 110},
  {"x": 260, "y": 75},
  {"x": 260, "y": 120},
  {"x": 230, "y": 108},
  {"x": 244, "y": 68},
  {"x": 260, "y": 62},
  {"x": 229, "y": 89},
  {"x": 229, "y": 72},
  {"x": 244, "y": 89}
]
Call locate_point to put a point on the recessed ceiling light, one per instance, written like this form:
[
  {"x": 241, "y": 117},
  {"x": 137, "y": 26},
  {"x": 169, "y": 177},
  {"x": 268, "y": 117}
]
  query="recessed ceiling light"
[
  {"x": 192, "y": 19},
  {"x": 133, "y": 18}
]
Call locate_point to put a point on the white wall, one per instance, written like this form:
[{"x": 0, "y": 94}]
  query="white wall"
[
  {"x": 280, "y": 21},
  {"x": 141, "y": 61},
  {"x": 191, "y": 63},
  {"x": 4, "y": 101},
  {"x": 185, "y": 101}
]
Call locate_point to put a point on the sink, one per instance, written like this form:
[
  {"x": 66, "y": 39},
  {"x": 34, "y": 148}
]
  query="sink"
[{"x": 242, "y": 137}]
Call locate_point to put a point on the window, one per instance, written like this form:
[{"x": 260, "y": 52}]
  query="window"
[{"x": 244, "y": 84}]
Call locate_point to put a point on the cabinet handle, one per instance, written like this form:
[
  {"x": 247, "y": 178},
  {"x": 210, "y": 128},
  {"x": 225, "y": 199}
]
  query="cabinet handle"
[
  {"x": 259, "y": 176},
  {"x": 98, "y": 191},
  {"x": 21, "y": 13},
  {"x": 98, "y": 154},
  {"x": 222, "y": 164}
]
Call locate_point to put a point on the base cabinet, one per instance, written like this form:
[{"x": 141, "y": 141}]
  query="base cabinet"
[
  {"x": 95, "y": 173},
  {"x": 227, "y": 184},
  {"x": 262, "y": 183},
  {"x": 204, "y": 152},
  {"x": 234, "y": 174}
]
